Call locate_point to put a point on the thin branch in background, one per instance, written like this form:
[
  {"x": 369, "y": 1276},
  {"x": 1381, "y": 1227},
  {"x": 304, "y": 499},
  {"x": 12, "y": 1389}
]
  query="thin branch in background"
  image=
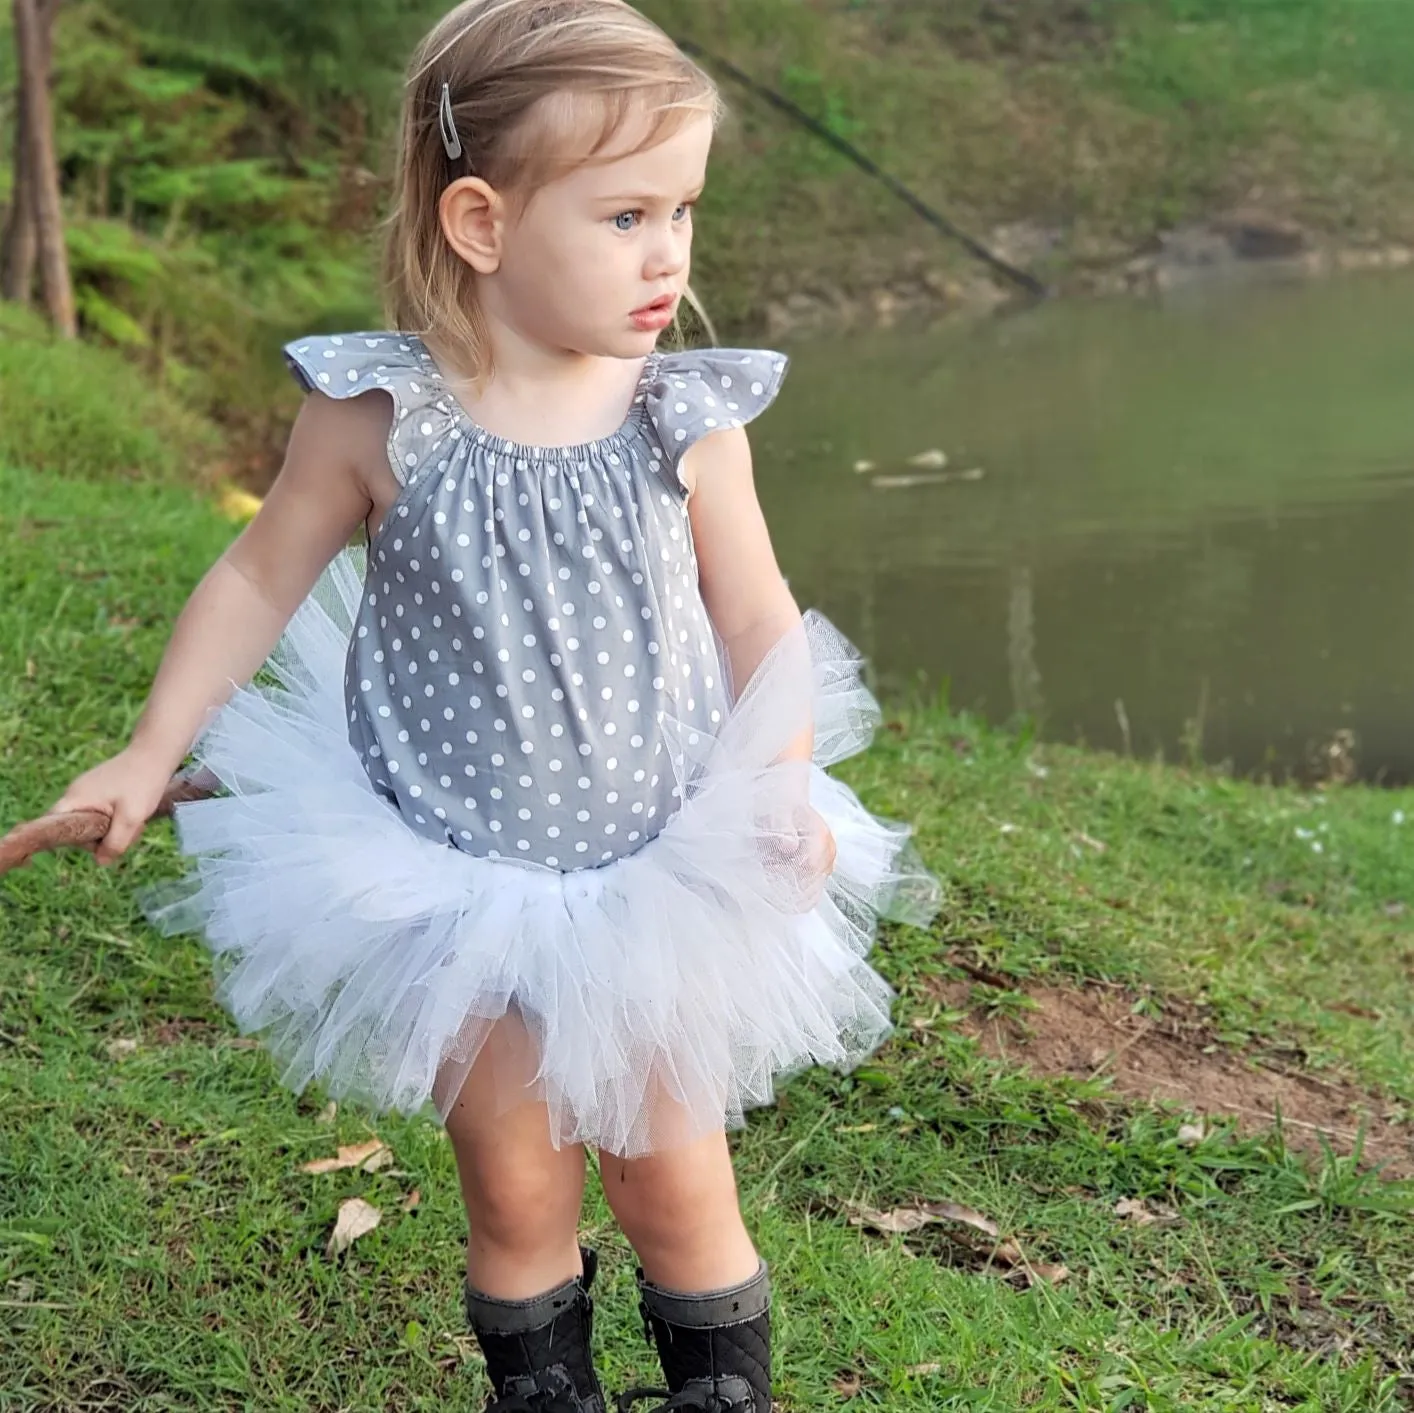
[{"x": 935, "y": 218}]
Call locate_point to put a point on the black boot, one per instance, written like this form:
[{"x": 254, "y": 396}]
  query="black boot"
[
  {"x": 538, "y": 1350},
  {"x": 715, "y": 1348}
]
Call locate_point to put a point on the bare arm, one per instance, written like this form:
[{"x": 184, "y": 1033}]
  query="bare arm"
[
  {"x": 746, "y": 595},
  {"x": 752, "y": 608},
  {"x": 238, "y": 611}
]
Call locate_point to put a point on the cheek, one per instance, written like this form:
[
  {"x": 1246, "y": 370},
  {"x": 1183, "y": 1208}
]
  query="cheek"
[{"x": 575, "y": 257}]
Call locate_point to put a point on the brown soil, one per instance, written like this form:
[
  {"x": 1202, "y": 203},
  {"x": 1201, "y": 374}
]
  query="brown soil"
[{"x": 1176, "y": 1060}]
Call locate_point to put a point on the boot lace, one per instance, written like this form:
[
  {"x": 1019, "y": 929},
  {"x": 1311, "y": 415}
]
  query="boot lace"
[{"x": 550, "y": 1391}]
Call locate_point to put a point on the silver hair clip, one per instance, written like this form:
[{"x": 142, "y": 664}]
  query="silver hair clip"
[{"x": 448, "y": 123}]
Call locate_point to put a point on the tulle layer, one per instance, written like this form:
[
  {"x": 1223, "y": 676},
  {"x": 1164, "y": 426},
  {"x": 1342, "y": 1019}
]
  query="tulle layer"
[{"x": 645, "y": 1002}]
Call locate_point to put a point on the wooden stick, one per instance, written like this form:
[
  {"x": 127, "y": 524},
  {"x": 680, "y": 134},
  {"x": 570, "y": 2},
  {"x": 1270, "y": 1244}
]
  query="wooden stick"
[{"x": 83, "y": 828}]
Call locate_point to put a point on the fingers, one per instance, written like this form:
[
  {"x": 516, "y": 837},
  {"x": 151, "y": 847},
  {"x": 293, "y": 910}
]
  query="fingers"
[
  {"x": 121, "y": 833},
  {"x": 818, "y": 844}
]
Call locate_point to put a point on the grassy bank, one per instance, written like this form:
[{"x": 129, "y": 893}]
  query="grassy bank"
[
  {"x": 160, "y": 1249},
  {"x": 225, "y": 164}
]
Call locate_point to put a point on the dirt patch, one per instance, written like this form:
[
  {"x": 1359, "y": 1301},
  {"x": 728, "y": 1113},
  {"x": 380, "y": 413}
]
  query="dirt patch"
[{"x": 1177, "y": 1061}]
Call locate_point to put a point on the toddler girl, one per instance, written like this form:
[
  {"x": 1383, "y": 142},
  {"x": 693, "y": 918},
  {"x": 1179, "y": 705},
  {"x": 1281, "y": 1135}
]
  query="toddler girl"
[{"x": 533, "y": 822}]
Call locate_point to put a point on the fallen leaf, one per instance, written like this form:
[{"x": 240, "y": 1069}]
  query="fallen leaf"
[
  {"x": 930, "y": 460},
  {"x": 121, "y": 1049},
  {"x": 891, "y": 1223},
  {"x": 1134, "y": 1209},
  {"x": 857, "y": 1128},
  {"x": 356, "y": 1218},
  {"x": 1189, "y": 1134},
  {"x": 245, "y": 1042},
  {"x": 328, "y": 1113},
  {"x": 902, "y": 1220},
  {"x": 848, "y": 1384},
  {"x": 29, "y": 668},
  {"x": 350, "y": 1156},
  {"x": 380, "y": 1160},
  {"x": 951, "y": 1212},
  {"x": 412, "y": 1199},
  {"x": 1007, "y": 1253},
  {"x": 922, "y": 1371},
  {"x": 1099, "y": 846},
  {"x": 899, "y": 1220}
]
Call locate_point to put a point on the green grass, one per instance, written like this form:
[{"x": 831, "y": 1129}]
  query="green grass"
[
  {"x": 90, "y": 415},
  {"x": 160, "y": 1250}
]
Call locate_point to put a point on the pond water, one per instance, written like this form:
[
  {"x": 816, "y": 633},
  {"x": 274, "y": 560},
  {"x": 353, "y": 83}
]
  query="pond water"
[{"x": 1161, "y": 528}]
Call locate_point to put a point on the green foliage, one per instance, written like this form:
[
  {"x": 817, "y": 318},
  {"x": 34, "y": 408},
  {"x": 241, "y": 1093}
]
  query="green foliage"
[
  {"x": 352, "y": 51},
  {"x": 87, "y": 415}
]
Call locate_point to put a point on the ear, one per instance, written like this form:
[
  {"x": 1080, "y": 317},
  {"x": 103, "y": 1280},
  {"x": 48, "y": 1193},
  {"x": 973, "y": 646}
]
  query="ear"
[{"x": 473, "y": 216}]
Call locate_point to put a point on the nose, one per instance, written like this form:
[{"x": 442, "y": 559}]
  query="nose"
[{"x": 668, "y": 251}]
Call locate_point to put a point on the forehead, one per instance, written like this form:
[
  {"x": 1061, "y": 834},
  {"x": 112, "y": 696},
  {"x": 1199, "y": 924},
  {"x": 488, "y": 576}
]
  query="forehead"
[{"x": 639, "y": 162}]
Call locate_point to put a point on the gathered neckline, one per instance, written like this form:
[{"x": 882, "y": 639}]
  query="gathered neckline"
[{"x": 626, "y": 432}]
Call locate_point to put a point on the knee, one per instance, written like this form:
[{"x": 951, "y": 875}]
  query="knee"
[{"x": 514, "y": 1207}]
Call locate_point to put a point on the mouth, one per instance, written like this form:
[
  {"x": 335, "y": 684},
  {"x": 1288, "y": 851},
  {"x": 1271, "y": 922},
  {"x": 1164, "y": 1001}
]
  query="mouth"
[{"x": 657, "y": 315}]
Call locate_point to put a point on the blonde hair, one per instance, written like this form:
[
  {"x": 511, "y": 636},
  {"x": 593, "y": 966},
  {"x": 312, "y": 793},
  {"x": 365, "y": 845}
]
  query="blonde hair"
[{"x": 537, "y": 87}]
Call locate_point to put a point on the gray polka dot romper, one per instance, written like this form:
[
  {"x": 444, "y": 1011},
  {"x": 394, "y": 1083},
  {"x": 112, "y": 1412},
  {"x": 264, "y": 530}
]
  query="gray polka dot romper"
[
  {"x": 531, "y": 616},
  {"x": 499, "y": 773}
]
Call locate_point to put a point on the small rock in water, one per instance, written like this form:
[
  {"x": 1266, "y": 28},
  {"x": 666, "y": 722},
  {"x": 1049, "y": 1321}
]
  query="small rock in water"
[
  {"x": 931, "y": 460},
  {"x": 903, "y": 483}
]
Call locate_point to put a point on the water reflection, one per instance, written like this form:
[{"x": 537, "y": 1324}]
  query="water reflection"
[{"x": 1194, "y": 523}]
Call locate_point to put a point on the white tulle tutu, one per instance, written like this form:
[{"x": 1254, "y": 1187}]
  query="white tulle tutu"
[{"x": 648, "y": 1001}]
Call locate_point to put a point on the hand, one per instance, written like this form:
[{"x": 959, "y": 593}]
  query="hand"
[
  {"x": 128, "y": 788},
  {"x": 816, "y": 854},
  {"x": 803, "y": 857}
]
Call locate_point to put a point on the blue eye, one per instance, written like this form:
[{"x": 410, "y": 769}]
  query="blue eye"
[
  {"x": 626, "y": 220},
  {"x": 683, "y": 212}
]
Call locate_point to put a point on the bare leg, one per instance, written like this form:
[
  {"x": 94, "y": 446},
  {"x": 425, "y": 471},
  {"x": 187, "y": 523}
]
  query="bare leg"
[
  {"x": 523, "y": 1196},
  {"x": 679, "y": 1209},
  {"x": 705, "y": 1292}
]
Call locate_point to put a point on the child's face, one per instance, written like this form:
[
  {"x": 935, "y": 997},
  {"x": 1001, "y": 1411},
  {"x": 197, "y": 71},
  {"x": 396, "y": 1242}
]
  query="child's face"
[{"x": 597, "y": 261}]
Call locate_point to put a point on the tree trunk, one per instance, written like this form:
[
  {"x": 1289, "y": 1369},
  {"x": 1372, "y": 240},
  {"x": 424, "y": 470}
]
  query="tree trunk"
[
  {"x": 21, "y": 231},
  {"x": 34, "y": 20},
  {"x": 21, "y": 244}
]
